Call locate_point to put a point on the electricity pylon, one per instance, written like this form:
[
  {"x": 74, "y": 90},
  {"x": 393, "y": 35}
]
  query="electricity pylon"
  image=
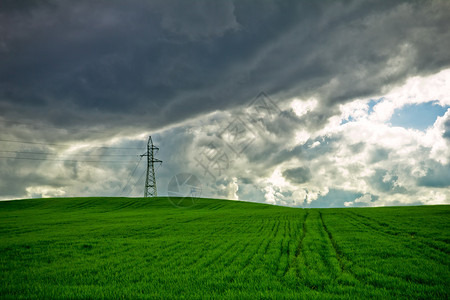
[{"x": 150, "y": 181}]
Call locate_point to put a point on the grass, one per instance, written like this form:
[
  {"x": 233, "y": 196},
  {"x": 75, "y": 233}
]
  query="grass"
[{"x": 147, "y": 248}]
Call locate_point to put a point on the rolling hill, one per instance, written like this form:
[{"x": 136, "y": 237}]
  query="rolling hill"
[{"x": 147, "y": 248}]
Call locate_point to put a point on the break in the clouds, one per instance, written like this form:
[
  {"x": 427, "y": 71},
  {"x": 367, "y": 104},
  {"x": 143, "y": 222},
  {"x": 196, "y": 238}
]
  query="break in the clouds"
[{"x": 358, "y": 97}]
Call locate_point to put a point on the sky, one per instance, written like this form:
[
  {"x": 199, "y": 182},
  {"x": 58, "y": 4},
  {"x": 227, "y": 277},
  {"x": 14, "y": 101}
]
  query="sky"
[{"x": 294, "y": 103}]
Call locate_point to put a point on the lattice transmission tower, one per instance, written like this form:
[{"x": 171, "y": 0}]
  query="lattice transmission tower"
[{"x": 150, "y": 181}]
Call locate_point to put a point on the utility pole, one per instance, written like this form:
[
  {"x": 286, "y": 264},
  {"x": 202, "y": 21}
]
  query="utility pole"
[{"x": 150, "y": 181}]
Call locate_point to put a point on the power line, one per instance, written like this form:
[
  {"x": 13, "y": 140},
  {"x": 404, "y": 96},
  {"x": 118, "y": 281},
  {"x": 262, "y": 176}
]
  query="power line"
[
  {"x": 33, "y": 143},
  {"x": 131, "y": 175},
  {"x": 65, "y": 145},
  {"x": 139, "y": 180},
  {"x": 50, "y": 153},
  {"x": 47, "y": 126},
  {"x": 70, "y": 160}
]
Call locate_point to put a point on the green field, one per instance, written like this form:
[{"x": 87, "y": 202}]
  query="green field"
[{"x": 147, "y": 248}]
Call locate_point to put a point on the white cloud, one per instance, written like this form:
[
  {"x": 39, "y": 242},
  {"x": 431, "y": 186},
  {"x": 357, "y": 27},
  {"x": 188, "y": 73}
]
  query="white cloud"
[
  {"x": 233, "y": 188},
  {"x": 301, "y": 137},
  {"x": 301, "y": 108},
  {"x": 367, "y": 199},
  {"x": 419, "y": 89},
  {"x": 44, "y": 192},
  {"x": 434, "y": 139},
  {"x": 369, "y": 156},
  {"x": 364, "y": 200},
  {"x": 416, "y": 90}
]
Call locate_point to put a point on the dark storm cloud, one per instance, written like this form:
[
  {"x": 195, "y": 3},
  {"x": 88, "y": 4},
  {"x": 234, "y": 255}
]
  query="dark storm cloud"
[
  {"x": 298, "y": 175},
  {"x": 91, "y": 63},
  {"x": 378, "y": 155},
  {"x": 446, "y": 133},
  {"x": 385, "y": 182},
  {"x": 12, "y": 183},
  {"x": 438, "y": 176}
]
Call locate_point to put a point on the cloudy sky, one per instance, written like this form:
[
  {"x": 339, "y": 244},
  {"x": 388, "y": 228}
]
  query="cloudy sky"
[{"x": 298, "y": 103}]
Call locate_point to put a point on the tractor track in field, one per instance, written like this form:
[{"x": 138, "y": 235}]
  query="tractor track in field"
[
  {"x": 202, "y": 255},
  {"x": 261, "y": 227},
  {"x": 378, "y": 230},
  {"x": 284, "y": 256},
  {"x": 210, "y": 260},
  {"x": 348, "y": 270},
  {"x": 285, "y": 249},
  {"x": 313, "y": 224},
  {"x": 396, "y": 232},
  {"x": 275, "y": 227},
  {"x": 228, "y": 254},
  {"x": 298, "y": 249},
  {"x": 339, "y": 254},
  {"x": 341, "y": 257},
  {"x": 191, "y": 220},
  {"x": 236, "y": 254},
  {"x": 252, "y": 256},
  {"x": 300, "y": 245},
  {"x": 266, "y": 248},
  {"x": 216, "y": 207},
  {"x": 83, "y": 204},
  {"x": 358, "y": 277},
  {"x": 280, "y": 247}
]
